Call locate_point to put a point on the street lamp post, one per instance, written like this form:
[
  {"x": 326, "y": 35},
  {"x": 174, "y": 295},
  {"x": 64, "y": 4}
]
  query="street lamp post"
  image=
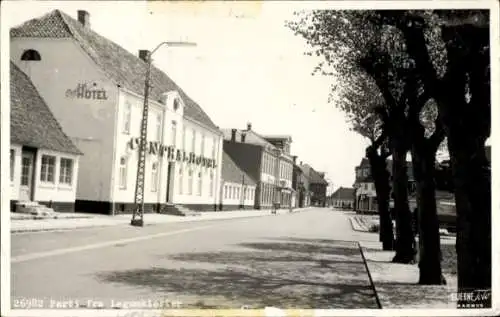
[{"x": 141, "y": 163}]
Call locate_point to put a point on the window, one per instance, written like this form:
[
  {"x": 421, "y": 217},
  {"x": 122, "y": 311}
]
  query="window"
[
  {"x": 193, "y": 144},
  {"x": 237, "y": 192},
  {"x": 184, "y": 138},
  {"x": 154, "y": 177},
  {"x": 176, "y": 104},
  {"x": 31, "y": 55},
  {"x": 174, "y": 133},
  {"x": 12, "y": 161},
  {"x": 25, "y": 170},
  {"x": 213, "y": 148},
  {"x": 202, "y": 145},
  {"x": 127, "y": 113},
  {"x": 200, "y": 183},
  {"x": 122, "y": 181},
  {"x": 48, "y": 169},
  {"x": 66, "y": 171},
  {"x": 190, "y": 182},
  {"x": 158, "y": 127},
  {"x": 181, "y": 180},
  {"x": 225, "y": 191},
  {"x": 211, "y": 191}
]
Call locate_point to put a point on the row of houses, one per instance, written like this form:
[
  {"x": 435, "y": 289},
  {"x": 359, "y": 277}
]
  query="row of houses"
[{"x": 76, "y": 108}]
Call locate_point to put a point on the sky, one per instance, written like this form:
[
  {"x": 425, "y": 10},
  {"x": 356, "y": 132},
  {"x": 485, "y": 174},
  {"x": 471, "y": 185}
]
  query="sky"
[{"x": 246, "y": 67}]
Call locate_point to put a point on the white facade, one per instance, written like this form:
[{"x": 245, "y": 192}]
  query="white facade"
[
  {"x": 234, "y": 194},
  {"x": 43, "y": 176},
  {"x": 102, "y": 119}
]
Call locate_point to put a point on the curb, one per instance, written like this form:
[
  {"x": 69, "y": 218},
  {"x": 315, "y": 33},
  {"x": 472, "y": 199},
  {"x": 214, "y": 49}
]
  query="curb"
[
  {"x": 377, "y": 299},
  {"x": 32, "y": 230},
  {"x": 356, "y": 226}
]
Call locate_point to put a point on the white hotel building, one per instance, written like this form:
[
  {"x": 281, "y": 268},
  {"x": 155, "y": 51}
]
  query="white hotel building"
[{"x": 95, "y": 90}]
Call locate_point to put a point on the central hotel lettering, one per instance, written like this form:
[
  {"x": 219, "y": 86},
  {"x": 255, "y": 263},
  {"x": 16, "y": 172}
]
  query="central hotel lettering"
[{"x": 172, "y": 153}]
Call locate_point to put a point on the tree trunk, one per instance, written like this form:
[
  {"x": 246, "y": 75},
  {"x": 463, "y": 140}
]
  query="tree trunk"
[
  {"x": 468, "y": 126},
  {"x": 405, "y": 241},
  {"x": 429, "y": 250},
  {"x": 381, "y": 179}
]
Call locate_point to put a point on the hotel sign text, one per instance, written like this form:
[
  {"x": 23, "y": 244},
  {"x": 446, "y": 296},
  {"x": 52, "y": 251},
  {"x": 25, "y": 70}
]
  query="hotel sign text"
[
  {"x": 84, "y": 91},
  {"x": 172, "y": 153}
]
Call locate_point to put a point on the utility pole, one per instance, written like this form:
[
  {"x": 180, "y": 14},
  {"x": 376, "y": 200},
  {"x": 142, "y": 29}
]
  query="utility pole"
[{"x": 138, "y": 213}]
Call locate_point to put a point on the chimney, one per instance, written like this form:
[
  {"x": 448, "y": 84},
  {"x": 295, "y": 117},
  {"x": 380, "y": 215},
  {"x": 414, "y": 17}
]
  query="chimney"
[
  {"x": 249, "y": 126},
  {"x": 295, "y": 159},
  {"x": 84, "y": 18},
  {"x": 233, "y": 135},
  {"x": 143, "y": 54},
  {"x": 243, "y": 136}
]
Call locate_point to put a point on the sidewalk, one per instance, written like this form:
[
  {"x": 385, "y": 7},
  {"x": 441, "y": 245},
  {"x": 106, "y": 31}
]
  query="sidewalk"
[
  {"x": 396, "y": 284},
  {"x": 91, "y": 221}
]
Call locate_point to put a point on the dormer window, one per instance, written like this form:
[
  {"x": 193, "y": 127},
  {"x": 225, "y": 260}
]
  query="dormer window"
[
  {"x": 176, "y": 104},
  {"x": 31, "y": 55}
]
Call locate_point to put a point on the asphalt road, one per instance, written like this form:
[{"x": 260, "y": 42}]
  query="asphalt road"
[{"x": 306, "y": 259}]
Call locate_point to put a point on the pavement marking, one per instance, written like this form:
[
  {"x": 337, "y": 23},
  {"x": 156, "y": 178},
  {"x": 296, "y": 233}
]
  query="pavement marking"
[{"x": 39, "y": 255}]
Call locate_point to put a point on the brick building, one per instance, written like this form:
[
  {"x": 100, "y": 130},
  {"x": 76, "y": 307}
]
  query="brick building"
[{"x": 270, "y": 165}]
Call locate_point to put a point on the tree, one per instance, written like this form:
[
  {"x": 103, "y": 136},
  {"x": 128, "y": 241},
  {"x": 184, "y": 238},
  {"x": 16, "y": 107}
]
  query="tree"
[
  {"x": 352, "y": 45},
  {"x": 462, "y": 93},
  {"x": 389, "y": 75},
  {"x": 357, "y": 40},
  {"x": 361, "y": 101}
]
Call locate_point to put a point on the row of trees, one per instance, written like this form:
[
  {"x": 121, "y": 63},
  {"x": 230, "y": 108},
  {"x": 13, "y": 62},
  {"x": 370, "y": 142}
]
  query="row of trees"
[{"x": 408, "y": 80}]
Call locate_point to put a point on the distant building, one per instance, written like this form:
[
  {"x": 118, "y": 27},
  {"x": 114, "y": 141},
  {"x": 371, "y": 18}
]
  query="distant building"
[
  {"x": 366, "y": 197},
  {"x": 43, "y": 159},
  {"x": 300, "y": 184},
  {"x": 317, "y": 185},
  {"x": 270, "y": 165},
  {"x": 343, "y": 198},
  {"x": 237, "y": 187}
]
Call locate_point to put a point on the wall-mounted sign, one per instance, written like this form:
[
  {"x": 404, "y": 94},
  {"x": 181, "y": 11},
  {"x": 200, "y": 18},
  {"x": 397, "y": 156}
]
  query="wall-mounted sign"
[
  {"x": 173, "y": 154},
  {"x": 86, "y": 91}
]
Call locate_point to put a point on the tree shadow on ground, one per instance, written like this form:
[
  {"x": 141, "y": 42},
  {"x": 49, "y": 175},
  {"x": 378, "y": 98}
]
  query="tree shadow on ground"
[
  {"x": 287, "y": 275},
  {"x": 328, "y": 242}
]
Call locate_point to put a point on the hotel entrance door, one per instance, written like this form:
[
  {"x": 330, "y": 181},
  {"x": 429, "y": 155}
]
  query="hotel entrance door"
[{"x": 170, "y": 187}]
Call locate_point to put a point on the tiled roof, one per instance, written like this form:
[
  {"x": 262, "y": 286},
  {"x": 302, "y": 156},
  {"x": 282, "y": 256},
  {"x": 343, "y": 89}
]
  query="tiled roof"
[
  {"x": 343, "y": 193},
  {"x": 121, "y": 66},
  {"x": 251, "y": 137},
  {"x": 232, "y": 173},
  {"x": 31, "y": 121},
  {"x": 313, "y": 175}
]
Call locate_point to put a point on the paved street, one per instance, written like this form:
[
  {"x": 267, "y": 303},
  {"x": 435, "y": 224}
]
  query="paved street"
[{"x": 300, "y": 260}]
